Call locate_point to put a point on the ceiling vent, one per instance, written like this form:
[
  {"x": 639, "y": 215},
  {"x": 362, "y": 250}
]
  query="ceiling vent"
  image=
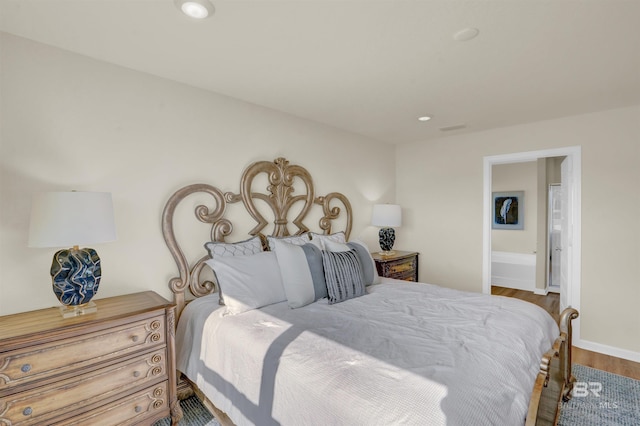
[{"x": 454, "y": 127}]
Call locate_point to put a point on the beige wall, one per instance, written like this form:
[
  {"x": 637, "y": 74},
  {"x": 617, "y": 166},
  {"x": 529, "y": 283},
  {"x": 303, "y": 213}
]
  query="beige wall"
[
  {"x": 70, "y": 122},
  {"x": 517, "y": 177},
  {"x": 440, "y": 183}
]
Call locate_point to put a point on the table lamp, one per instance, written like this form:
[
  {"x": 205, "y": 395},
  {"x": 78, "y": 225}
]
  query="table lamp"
[
  {"x": 386, "y": 216},
  {"x": 71, "y": 219}
]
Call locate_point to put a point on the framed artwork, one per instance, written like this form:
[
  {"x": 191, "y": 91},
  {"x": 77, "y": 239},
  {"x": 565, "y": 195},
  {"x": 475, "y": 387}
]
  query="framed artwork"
[{"x": 508, "y": 210}]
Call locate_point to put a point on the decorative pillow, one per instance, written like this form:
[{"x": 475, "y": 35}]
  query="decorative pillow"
[
  {"x": 338, "y": 237},
  {"x": 369, "y": 270},
  {"x": 302, "y": 272},
  {"x": 248, "y": 282},
  {"x": 343, "y": 274},
  {"x": 241, "y": 248},
  {"x": 293, "y": 239}
]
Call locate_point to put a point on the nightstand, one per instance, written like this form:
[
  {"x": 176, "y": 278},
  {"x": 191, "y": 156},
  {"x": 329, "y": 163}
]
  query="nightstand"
[
  {"x": 112, "y": 367},
  {"x": 402, "y": 265}
]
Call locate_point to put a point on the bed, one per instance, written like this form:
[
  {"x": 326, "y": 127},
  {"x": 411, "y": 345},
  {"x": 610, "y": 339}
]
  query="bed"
[{"x": 390, "y": 353}]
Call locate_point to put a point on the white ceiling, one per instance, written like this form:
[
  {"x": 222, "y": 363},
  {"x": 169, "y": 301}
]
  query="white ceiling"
[{"x": 369, "y": 67}]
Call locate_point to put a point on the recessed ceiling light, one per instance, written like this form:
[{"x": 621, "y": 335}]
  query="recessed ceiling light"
[
  {"x": 466, "y": 34},
  {"x": 197, "y": 9},
  {"x": 424, "y": 118}
]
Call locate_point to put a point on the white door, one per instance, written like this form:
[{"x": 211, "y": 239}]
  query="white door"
[
  {"x": 555, "y": 237},
  {"x": 565, "y": 226}
]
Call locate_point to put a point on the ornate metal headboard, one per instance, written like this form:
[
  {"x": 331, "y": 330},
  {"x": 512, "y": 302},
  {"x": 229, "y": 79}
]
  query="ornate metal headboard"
[{"x": 279, "y": 197}]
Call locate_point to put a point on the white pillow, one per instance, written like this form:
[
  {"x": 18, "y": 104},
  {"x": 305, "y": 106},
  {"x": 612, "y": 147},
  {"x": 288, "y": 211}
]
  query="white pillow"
[
  {"x": 248, "y": 282},
  {"x": 302, "y": 273},
  {"x": 338, "y": 237},
  {"x": 293, "y": 239},
  {"x": 241, "y": 248},
  {"x": 368, "y": 264}
]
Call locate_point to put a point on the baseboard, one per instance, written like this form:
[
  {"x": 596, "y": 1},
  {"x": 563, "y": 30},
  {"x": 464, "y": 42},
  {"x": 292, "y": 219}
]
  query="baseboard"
[
  {"x": 607, "y": 350},
  {"x": 511, "y": 283},
  {"x": 513, "y": 270},
  {"x": 541, "y": 291}
]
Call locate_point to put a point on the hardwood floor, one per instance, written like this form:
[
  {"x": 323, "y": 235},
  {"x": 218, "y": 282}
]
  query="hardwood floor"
[{"x": 551, "y": 303}]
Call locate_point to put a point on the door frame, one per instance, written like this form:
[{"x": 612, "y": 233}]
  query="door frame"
[
  {"x": 574, "y": 154},
  {"x": 549, "y": 232}
]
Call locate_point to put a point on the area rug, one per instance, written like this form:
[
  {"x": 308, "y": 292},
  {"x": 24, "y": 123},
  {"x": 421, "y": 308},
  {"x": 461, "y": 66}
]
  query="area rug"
[
  {"x": 194, "y": 414},
  {"x": 599, "y": 399}
]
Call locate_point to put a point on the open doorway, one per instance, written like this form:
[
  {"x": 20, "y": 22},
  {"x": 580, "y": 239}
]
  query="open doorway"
[{"x": 571, "y": 253}]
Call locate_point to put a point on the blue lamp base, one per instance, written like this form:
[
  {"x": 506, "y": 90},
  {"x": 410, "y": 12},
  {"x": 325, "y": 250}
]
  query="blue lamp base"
[
  {"x": 387, "y": 238},
  {"x": 76, "y": 277}
]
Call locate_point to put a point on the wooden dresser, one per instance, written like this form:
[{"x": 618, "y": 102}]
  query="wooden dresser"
[
  {"x": 112, "y": 367},
  {"x": 403, "y": 265}
]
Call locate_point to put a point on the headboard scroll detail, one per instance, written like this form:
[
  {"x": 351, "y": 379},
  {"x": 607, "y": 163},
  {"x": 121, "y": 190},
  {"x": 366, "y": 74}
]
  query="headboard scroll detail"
[{"x": 280, "y": 198}]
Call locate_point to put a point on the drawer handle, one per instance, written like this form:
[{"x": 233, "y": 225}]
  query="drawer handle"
[
  {"x": 27, "y": 411},
  {"x": 138, "y": 408},
  {"x": 135, "y": 338},
  {"x": 136, "y": 374},
  {"x": 26, "y": 368}
]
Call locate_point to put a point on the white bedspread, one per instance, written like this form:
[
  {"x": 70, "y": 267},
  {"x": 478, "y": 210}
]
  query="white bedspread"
[{"x": 405, "y": 353}]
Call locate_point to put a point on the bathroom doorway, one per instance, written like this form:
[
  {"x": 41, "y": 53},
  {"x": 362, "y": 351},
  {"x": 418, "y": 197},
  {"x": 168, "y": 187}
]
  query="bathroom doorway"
[{"x": 571, "y": 249}]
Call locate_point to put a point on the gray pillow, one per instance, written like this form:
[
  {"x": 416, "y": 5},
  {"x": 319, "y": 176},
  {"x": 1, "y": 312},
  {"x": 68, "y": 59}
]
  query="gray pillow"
[
  {"x": 302, "y": 272},
  {"x": 343, "y": 275},
  {"x": 366, "y": 261}
]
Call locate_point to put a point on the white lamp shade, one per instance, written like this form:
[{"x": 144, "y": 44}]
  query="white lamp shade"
[
  {"x": 66, "y": 219},
  {"x": 386, "y": 215}
]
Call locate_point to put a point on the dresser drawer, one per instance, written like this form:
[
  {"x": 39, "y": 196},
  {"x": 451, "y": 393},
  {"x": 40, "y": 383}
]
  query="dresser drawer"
[
  {"x": 150, "y": 403},
  {"x": 402, "y": 265},
  {"x": 403, "y": 275},
  {"x": 26, "y": 365},
  {"x": 401, "y": 269},
  {"x": 38, "y": 405},
  {"x": 398, "y": 267}
]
